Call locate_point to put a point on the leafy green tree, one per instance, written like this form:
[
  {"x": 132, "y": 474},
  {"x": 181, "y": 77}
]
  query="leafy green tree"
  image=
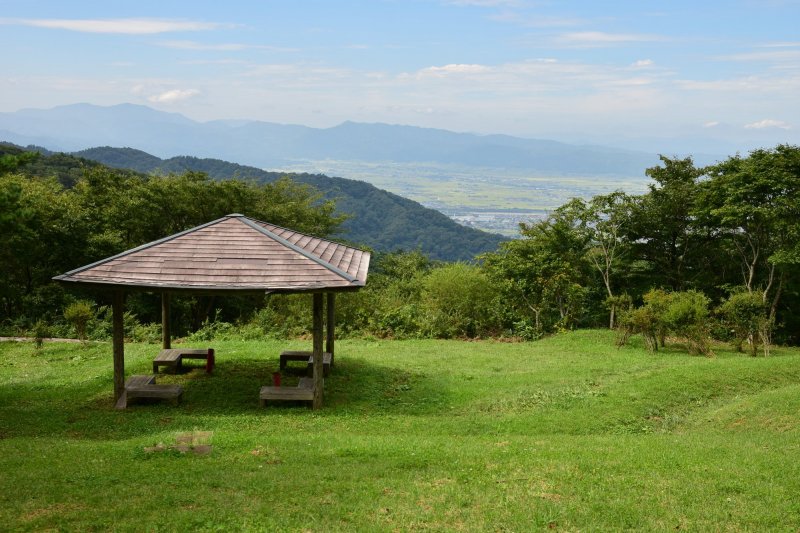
[
  {"x": 10, "y": 162},
  {"x": 41, "y": 234},
  {"x": 754, "y": 202},
  {"x": 663, "y": 230},
  {"x": 542, "y": 276},
  {"x": 47, "y": 229},
  {"x": 605, "y": 219}
]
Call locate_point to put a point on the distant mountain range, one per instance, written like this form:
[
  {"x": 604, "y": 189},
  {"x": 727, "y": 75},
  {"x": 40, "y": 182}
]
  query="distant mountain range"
[
  {"x": 379, "y": 219},
  {"x": 267, "y": 145}
]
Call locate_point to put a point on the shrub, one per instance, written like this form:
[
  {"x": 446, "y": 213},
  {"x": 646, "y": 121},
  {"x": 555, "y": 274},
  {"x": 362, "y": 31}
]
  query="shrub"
[
  {"x": 687, "y": 316},
  {"x": 684, "y": 314},
  {"x": 457, "y": 301},
  {"x": 215, "y": 330},
  {"x": 744, "y": 314},
  {"x": 40, "y": 332},
  {"x": 79, "y": 314},
  {"x": 642, "y": 320}
]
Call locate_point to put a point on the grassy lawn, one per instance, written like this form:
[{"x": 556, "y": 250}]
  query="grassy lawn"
[{"x": 568, "y": 433}]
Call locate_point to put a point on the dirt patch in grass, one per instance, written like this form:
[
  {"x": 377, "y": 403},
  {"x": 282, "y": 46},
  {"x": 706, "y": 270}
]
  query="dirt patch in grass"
[{"x": 196, "y": 442}]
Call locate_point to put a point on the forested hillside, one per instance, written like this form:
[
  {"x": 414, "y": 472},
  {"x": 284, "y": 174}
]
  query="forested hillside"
[
  {"x": 377, "y": 218},
  {"x": 706, "y": 253}
]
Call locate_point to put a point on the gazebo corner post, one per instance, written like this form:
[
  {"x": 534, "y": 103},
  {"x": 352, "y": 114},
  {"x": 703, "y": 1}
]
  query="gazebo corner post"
[
  {"x": 331, "y": 325},
  {"x": 317, "y": 334},
  {"x": 118, "y": 343},
  {"x": 166, "y": 329}
]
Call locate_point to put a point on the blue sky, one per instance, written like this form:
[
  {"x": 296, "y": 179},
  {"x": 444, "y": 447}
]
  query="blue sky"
[{"x": 677, "y": 75}]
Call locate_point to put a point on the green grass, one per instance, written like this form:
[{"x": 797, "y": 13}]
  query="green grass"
[{"x": 568, "y": 433}]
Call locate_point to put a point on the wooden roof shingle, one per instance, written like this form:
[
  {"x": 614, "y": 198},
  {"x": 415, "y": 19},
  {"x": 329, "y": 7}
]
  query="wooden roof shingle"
[{"x": 233, "y": 253}]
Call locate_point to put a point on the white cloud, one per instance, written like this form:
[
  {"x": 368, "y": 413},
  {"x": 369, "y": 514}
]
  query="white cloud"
[
  {"x": 454, "y": 69},
  {"x": 785, "y": 44},
  {"x": 172, "y": 96},
  {"x": 591, "y": 39},
  {"x": 214, "y": 62},
  {"x": 536, "y": 21},
  {"x": 768, "y": 123},
  {"x": 746, "y": 85},
  {"x": 130, "y": 26},
  {"x": 486, "y": 3},
  {"x": 643, "y": 63},
  {"x": 780, "y": 55},
  {"x": 711, "y": 124},
  {"x": 192, "y": 45},
  {"x": 221, "y": 47}
]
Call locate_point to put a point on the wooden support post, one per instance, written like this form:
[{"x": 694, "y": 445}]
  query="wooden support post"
[
  {"x": 317, "y": 370},
  {"x": 118, "y": 344},
  {"x": 166, "y": 330},
  {"x": 331, "y": 324}
]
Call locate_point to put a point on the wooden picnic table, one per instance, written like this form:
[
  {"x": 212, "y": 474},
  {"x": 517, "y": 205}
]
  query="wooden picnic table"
[
  {"x": 140, "y": 386},
  {"x": 301, "y": 355},
  {"x": 173, "y": 358},
  {"x": 304, "y": 392}
]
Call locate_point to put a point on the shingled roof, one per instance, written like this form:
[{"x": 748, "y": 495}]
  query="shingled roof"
[{"x": 233, "y": 253}]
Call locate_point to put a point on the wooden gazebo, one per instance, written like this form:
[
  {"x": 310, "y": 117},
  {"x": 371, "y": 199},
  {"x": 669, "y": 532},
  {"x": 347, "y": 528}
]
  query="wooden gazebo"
[{"x": 232, "y": 255}]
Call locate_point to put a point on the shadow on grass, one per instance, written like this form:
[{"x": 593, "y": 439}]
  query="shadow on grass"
[{"x": 85, "y": 410}]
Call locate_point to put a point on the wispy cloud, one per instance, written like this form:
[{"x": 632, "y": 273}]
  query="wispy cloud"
[
  {"x": 784, "y": 44},
  {"x": 768, "y": 123},
  {"x": 173, "y": 95},
  {"x": 596, "y": 39},
  {"x": 221, "y": 47},
  {"x": 776, "y": 55},
  {"x": 752, "y": 85},
  {"x": 643, "y": 63},
  {"x": 536, "y": 21},
  {"x": 129, "y": 26},
  {"x": 486, "y": 3},
  {"x": 454, "y": 69}
]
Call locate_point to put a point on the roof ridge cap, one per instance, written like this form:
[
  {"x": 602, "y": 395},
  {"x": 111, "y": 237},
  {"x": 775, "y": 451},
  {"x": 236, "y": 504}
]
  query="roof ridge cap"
[
  {"x": 302, "y": 251},
  {"x": 300, "y": 233}
]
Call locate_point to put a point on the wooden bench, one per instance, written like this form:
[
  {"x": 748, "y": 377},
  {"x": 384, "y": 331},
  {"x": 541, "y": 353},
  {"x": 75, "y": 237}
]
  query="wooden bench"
[
  {"x": 304, "y": 392},
  {"x": 300, "y": 355},
  {"x": 146, "y": 387},
  {"x": 173, "y": 358}
]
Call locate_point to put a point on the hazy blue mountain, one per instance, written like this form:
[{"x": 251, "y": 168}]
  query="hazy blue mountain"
[
  {"x": 380, "y": 219},
  {"x": 263, "y": 144}
]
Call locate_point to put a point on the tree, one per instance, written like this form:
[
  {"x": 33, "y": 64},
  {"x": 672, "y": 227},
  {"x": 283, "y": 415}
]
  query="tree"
[
  {"x": 542, "y": 276},
  {"x": 47, "y": 229},
  {"x": 755, "y": 203},
  {"x": 605, "y": 220},
  {"x": 10, "y": 162},
  {"x": 663, "y": 229}
]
